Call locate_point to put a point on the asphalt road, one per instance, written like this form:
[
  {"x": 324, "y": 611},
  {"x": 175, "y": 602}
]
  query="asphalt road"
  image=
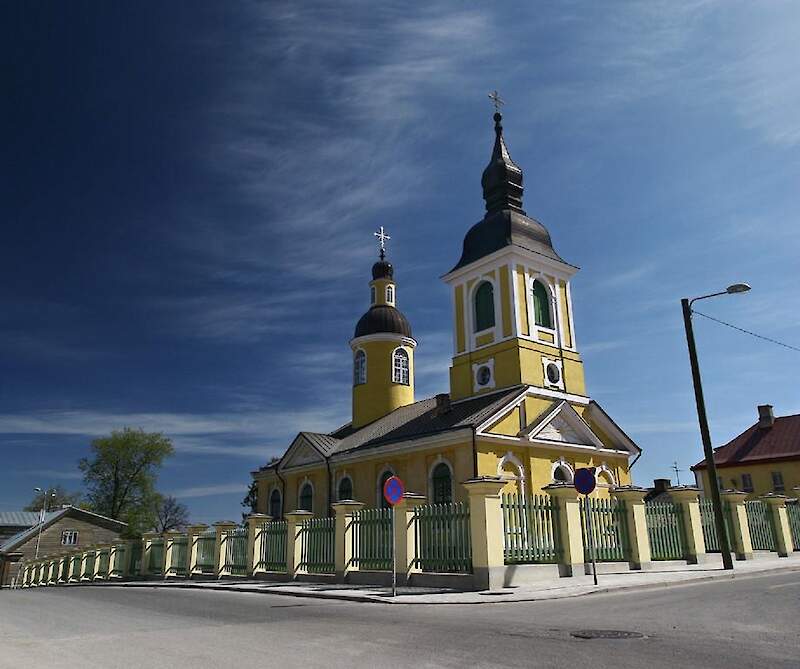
[{"x": 747, "y": 622}]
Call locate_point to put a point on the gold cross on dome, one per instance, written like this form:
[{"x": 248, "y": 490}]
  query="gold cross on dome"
[
  {"x": 382, "y": 239},
  {"x": 494, "y": 96}
]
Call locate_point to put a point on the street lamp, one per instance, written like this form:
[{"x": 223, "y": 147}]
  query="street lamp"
[
  {"x": 41, "y": 517},
  {"x": 713, "y": 483}
]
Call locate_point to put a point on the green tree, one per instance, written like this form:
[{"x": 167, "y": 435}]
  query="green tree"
[
  {"x": 250, "y": 501},
  {"x": 57, "y": 497},
  {"x": 120, "y": 476}
]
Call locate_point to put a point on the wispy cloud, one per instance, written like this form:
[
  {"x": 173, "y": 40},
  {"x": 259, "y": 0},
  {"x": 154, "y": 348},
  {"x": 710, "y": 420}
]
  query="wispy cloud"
[
  {"x": 47, "y": 474},
  {"x": 211, "y": 490}
]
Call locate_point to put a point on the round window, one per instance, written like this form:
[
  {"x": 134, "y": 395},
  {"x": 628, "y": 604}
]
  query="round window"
[
  {"x": 553, "y": 373},
  {"x": 484, "y": 375}
]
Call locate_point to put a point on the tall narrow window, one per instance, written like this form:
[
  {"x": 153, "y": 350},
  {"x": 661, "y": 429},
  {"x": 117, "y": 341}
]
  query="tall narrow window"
[
  {"x": 400, "y": 373},
  {"x": 747, "y": 482},
  {"x": 390, "y": 294},
  {"x": 484, "y": 307},
  {"x": 345, "y": 489},
  {"x": 359, "y": 368},
  {"x": 541, "y": 305},
  {"x": 442, "y": 483},
  {"x": 69, "y": 538},
  {"x": 275, "y": 504},
  {"x": 777, "y": 482},
  {"x": 381, "y": 481},
  {"x": 372, "y": 295},
  {"x": 307, "y": 497}
]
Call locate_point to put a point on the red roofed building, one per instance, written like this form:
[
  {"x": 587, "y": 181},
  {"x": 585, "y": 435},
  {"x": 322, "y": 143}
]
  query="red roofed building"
[{"x": 764, "y": 458}]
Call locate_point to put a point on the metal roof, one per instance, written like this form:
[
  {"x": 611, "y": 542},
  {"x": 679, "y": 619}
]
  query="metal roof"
[{"x": 18, "y": 518}]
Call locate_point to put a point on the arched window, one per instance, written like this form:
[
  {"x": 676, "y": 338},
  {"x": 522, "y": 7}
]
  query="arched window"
[
  {"x": 400, "y": 373},
  {"x": 372, "y": 295},
  {"x": 345, "y": 489},
  {"x": 359, "y": 368},
  {"x": 275, "y": 504},
  {"x": 307, "y": 497},
  {"x": 382, "y": 503},
  {"x": 541, "y": 305},
  {"x": 442, "y": 483},
  {"x": 562, "y": 472},
  {"x": 390, "y": 294},
  {"x": 484, "y": 307}
]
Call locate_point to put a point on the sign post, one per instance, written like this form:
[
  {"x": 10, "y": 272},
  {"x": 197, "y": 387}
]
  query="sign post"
[
  {"x": 393, "y": 491},
  {"x": 585, "y": 483}
]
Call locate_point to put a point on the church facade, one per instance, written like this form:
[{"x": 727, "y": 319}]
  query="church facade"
[{"x": 518, "y": 406}]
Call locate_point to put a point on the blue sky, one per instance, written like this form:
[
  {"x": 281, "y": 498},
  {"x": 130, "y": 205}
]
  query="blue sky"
[{"x": 189, "y": 198}]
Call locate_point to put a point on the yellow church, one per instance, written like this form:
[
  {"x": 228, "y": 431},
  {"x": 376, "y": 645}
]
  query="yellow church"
[{"x": 518, "y": 406}]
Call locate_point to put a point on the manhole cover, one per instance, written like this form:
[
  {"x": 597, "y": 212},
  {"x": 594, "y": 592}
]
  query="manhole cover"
[{"x": 606, "y": 634}]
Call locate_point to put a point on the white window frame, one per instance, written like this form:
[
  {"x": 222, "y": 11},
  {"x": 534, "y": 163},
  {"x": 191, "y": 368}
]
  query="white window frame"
[
  {"x": 390, "y": 294},
  {"x": 440, "y": 460},
  {"x": 510, "y": 458},
  {"x": 73, "y": 534},
  {"x": 605, "y": 469},
  {"x": 473, "y": 311},
  {"x": 396, "y": 377},
  {"x": 362, "y": 378},
  {"x": 561, "y": 463}
]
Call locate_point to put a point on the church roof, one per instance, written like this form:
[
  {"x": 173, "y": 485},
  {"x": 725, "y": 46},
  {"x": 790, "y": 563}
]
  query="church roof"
[
  {"x": 505, "y": 222},
  {"x": 780, "y": 441},
  {"x": 383, "y": 318}
]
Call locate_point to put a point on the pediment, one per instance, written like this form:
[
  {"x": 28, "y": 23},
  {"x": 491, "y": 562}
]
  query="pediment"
[
  {"x": 562, "y": 425},
  {"x": 300, "y": 453}
]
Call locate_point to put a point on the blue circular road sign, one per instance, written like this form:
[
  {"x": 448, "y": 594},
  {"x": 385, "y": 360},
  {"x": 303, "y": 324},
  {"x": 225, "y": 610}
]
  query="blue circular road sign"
[
  {"x": 393, "y": 490},
  {"x": 585, "y": 482}
]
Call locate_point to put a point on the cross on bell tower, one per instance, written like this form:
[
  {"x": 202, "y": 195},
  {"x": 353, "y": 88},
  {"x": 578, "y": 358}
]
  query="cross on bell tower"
[{"x": 382, "y": 239}]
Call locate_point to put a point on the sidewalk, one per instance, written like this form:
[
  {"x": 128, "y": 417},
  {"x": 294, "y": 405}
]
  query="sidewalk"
[{"x": 576, "y": 586}]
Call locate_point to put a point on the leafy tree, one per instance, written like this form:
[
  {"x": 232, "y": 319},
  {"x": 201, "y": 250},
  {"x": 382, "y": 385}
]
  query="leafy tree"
[
  {"x": 57, "y": 497},
  {"x": 250, "y": 501},
  {"x": 170, "y": 514},
  {"x": 120, "y": 475}
]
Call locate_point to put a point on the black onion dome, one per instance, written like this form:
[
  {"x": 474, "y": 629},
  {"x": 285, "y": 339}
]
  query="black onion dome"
[
  {"x": 382, "y": 318},
  {"x": 382, "y": 270},
  {"x": 505, "y": 222}
]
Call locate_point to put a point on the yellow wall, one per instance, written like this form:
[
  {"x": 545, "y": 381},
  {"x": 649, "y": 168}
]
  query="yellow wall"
[
  {"x": 459, "y": 297},
  {"x": 379, "y": 396},
  {"x": 762, "y": 477},
  {"x": 506, "y": 300}
]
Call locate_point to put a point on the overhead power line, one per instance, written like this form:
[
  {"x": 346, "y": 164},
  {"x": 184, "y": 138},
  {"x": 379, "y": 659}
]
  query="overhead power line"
[{"x": 752, "y": 334}]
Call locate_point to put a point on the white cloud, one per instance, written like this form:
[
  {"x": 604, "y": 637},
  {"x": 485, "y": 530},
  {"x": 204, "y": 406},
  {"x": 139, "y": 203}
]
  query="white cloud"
[{"x": 211, "y": 490}]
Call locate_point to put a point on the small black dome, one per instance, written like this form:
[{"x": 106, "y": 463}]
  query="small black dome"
[
  {"x": 382, "y": 270},
  {"x": 383, "y": 318}
]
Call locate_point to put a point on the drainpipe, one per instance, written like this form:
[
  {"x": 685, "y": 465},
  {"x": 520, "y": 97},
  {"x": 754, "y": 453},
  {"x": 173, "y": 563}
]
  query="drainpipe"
[
  {"x": 330, "y": 487},
  {"x": 474, "y": 455},
  {"x": 283, "y": 491}
]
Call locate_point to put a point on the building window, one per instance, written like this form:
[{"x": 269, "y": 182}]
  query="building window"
[
  {"x": 400, "y": 373},
  {"x": 345, "y": 489},
  {"x": 359, "y": 368},
  {"x": 484, "y": 307},
  {"x": 562, "y": 472},
  {"x": 307, "y": 497},
  {"x": 747, "y": 483},
  {"x": 69, "y": 538},
  {"x": 275, "y": 504},
  {"x": 541, "y": 305},
  {"x": 390, "y": 294},
  {"x": 442, "y": 484},
  {"x": 777, "y": 482},
  {"x": 372, "y": 295},
  {"x": 387, "y": 474}
]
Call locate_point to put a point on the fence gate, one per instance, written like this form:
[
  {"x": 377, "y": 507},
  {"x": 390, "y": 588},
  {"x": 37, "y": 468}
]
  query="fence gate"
[
  {"x": 665, "y": 529},
  {"x": 271, "y": 538},
  {"x": 793, "y": 511},
  {"x": 609, "y": 530},
  {"x": 372, "y": 539},
  {"x": 762, "y": 534},
  {"x": 156, "y": 557},
  {"x": 178, "y": 556},
  {"x": 317, "y": 537},
  {"x": 530, "y": 529},
  {"x": 443, "y": 542},
  {"x": 204, "y": 562}
]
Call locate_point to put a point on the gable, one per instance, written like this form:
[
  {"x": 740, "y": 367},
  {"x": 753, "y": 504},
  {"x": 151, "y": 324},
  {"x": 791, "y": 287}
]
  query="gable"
[
  {"x": 562, "y": 425},
  {"x": 301, "y": 452}
]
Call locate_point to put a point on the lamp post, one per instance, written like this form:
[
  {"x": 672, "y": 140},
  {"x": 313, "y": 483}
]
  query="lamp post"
[
  {"x": 45, "y": 493},
  {"x": 713, "y": 483}
]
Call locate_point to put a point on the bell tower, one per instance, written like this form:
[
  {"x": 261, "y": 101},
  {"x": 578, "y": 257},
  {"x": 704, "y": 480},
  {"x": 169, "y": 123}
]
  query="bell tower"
[
  {"x": 383, "y": 349},
  {"x": 511, "y": 296}
]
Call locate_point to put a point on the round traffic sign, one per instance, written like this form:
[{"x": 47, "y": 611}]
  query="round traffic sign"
[
  {"x": 393, "y": 490},
  {"x": 585, "y": 482}
]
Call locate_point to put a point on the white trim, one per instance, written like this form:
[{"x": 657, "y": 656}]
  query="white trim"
[
  {"x": 542, "y": 278},
  {"x": 390, "y": 289},
  {"x": 573, "y": 340},
  {"x": 383, "y": 336},
  {"x": 496, "y": 330},
  {"x": 408, "y": 360},
  {"x": 439, "y": 461},
  {"x": 572, "y": 418},
  {"x": 605, "y": 469},
  {"x": 476, "y": 387},
  {"x": 519, "y": 478},
  {"x": 515, "y": 316},
  {"x": 546, "y": 362},
  {"x": 529, "y": 391},
  {"x": 511, "y": 252},
  {"x": 561, "y": 463},
  {"x": 355, "y": 354},
  {"x": 541, "y": 443}
]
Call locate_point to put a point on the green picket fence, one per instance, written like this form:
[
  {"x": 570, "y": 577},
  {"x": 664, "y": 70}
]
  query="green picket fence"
[
  {"x": 102, "y": 567},
  {"x": 371, "y": 533},
  {"x": 271, "y": 537},
  {"x": 178, "y": 556},
  {"x": 793, "y": 511},
  {"x": 204, "y": 560},
  {"x": 530, "y": 529},
  {"x": 88, "y": 569},
  {"x": 75, "y": 567},
  {"x": 710, "y": 528},
  {"x": 443, "y": 542},
  {"x": 234, "y": 548},
  {"x": 120, "y": 555},
  {"x": 665, "y": 530},
  {"x": 136, "y": 559},
  {"x": 762, "y": 533},
  {"x": 317, "y": 545},
  {"x": 609, "y": 530}
]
